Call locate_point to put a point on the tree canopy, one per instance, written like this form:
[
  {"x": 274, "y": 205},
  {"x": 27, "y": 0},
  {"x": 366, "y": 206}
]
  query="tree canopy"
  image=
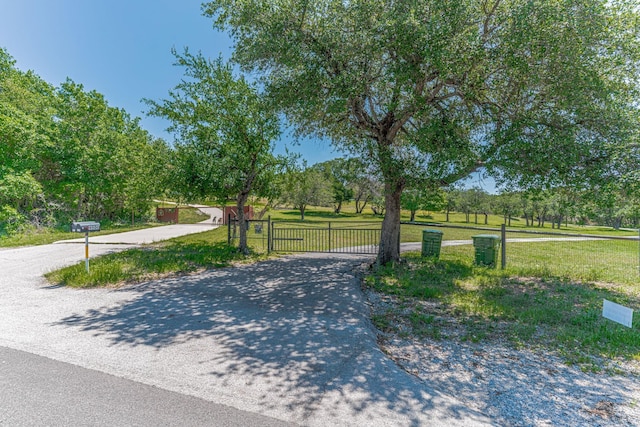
[
  {"x": 66, "y": 154},
  {"x": 535, "y": 91}
]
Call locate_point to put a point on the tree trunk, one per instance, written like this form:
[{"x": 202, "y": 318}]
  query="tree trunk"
[
  {"x": 617, "y": 223},
  {"x": 447, "y": 220},
  {"x": 486, "y": 219},
  {"x": 389, "y": 249},
  {"x": 302, "y": 209},
  {"x": 339, "y": 207},
  {"x": 476, "y": 217},
  {"x": 360, "y": 207},
  {"x": 241, "y": 201},
  {"x": 413, "y": 216}
]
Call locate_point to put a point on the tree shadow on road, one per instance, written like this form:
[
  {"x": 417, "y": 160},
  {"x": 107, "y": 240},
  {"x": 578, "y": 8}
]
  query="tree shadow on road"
[{"x": 295, "y": 329}]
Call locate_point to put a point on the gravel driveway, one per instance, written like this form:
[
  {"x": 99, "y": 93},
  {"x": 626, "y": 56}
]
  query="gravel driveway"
[{"x": 288, "y": 338}]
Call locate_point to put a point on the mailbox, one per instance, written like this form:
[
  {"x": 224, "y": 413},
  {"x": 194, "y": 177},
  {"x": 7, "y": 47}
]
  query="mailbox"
[{"x": 84, "y": 226}]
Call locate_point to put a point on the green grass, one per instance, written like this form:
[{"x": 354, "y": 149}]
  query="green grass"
[
  {"x": 182, "y": 255},
  {"x": 608, "y": 261},
  {"x": 191, "y": 216},
  {"x": 538, "y": 311}
]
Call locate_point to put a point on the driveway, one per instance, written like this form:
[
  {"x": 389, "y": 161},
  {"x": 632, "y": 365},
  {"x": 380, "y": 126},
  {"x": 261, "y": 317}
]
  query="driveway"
[
  {"x": 155, "y": 234},
  {"x": 287, "y": 338}
]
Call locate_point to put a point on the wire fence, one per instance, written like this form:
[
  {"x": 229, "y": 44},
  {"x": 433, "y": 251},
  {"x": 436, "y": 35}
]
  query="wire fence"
[{"x": 607, "y": 258}]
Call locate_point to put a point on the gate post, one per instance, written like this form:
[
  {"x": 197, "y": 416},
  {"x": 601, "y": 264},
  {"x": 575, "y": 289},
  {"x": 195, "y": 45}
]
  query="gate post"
[
  {"x": 503, "y": 261},
  {"x": 269, "y": 234}
]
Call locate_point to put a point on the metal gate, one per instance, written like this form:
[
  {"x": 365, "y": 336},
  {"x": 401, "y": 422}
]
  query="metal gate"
[
  {"x": 310, "y": 236},
  {"x": 336, "y": 237}
]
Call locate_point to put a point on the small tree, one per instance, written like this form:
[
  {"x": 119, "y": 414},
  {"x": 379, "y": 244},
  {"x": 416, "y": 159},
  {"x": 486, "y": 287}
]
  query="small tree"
[
  {"x": 507, "y": 205},
  {"x": 338, "y": 173},
  {"x": 226, "y": 130},
  {"x": 307, "y": 187},
  {"x": 423, "y": 198}
]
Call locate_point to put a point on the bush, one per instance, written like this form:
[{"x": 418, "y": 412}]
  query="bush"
[{"x": 11, "y": 221}]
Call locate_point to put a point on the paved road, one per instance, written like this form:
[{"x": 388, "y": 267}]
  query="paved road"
[
  {"x": 37, "y": 391},
  {"x": 287, "y": 339}
]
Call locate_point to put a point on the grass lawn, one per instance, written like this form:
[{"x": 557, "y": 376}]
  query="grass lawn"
[{"x": 453, "y": 299}]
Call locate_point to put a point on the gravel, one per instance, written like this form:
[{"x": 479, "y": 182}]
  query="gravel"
[{"x": 515, "y": 387}]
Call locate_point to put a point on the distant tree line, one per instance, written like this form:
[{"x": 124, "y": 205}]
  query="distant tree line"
[{"x": 339, "y": 181}]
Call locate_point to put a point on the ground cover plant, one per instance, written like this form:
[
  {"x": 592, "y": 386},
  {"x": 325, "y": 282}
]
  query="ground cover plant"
[{"x": 451, "y": 298}]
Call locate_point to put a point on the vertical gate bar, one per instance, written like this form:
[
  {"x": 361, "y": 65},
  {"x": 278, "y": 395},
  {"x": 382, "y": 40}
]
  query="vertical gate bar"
[
  {"x": 269, "y": 234},
  {"x": 503, "y": 232},
  {"x": 329, "y": 236}
]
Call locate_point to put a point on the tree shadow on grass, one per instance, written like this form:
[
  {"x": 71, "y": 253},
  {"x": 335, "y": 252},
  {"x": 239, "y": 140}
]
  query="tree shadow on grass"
[{"x": 294, "y": 330}]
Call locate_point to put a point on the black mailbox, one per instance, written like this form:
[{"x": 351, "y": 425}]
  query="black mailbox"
[{"x": 84, "y": 226}]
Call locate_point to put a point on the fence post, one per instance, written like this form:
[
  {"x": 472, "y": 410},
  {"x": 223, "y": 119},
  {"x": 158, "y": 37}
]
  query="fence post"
[
  {"x": 503, "y": 232},
  {"x": 329, "y": 236},
  {"x": 269, "y": 234},
  {"x": 229, "y": 229}
]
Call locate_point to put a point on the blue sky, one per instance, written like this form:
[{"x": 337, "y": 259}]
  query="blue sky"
[{"x": 120, "y": 48}]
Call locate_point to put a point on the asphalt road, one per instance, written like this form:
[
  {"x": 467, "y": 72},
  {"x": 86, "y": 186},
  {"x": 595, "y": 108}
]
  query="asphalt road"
[
  {"x": 288, "y": 339},
  {"x": 37, "y": 391}
]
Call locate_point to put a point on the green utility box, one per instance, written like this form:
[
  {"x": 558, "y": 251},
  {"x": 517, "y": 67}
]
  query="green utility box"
[
  {"x": 486, "y": 247},
  {"x": 431, "y": 242}
]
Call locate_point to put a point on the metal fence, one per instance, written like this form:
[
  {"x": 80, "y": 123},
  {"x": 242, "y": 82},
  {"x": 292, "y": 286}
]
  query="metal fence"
[
  {"x": 257, "y": 233},
  {"x": 309, "y": 236},
  {"x": 586, "y": 256}
]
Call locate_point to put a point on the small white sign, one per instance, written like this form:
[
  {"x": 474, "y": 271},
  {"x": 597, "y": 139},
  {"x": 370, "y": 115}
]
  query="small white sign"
[{"x": 617, "y": 313}]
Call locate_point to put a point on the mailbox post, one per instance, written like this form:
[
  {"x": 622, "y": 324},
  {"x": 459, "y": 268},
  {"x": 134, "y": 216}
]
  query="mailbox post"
[{"x": 85, "y": 227}]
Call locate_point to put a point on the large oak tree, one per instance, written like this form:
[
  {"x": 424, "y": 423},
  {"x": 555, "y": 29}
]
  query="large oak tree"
[{"x": 536, "y": 91}]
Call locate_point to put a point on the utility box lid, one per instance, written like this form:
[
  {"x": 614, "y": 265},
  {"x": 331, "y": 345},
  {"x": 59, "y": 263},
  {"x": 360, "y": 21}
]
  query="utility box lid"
[
  {"x": 84, "y": 226},
  {"x": 486, "y": 236},
  {"x": 432, "y": 231}
]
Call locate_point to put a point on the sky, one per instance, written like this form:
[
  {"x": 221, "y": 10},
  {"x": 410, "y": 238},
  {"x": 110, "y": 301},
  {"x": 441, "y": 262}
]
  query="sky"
[{"x": 122, "y": 49}]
